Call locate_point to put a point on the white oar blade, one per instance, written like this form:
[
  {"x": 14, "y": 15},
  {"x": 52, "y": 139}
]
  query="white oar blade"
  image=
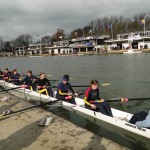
[
  {"x": 49, "y": 75},
  {"x": 105, "y": 84}
]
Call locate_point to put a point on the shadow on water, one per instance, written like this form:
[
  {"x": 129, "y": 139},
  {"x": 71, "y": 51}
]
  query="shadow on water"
[
  {"x": 22, "y": 138},
  {"x": 98, "y": 131}
]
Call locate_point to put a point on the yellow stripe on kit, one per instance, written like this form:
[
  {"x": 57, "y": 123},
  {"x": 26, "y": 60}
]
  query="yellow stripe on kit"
[{"x": 43, "y": 90}]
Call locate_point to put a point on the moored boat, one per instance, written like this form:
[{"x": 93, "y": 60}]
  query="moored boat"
[
  {"x": 118, "y": 124},
  {"x": 131, "y": 51}
]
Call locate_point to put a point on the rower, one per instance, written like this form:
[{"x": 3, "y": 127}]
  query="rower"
[
  {"x": 1, "y": 74},
  {"x": 28, "y": 80},
  {"x": 15, "y": 77},
  {"x": 43, "y": 85},
  {"x": 65, "y": 91},
  {"x": 7, "y": 74},
  {"x": 141, "y": 119},
  {"x": 94, "y": 102}
]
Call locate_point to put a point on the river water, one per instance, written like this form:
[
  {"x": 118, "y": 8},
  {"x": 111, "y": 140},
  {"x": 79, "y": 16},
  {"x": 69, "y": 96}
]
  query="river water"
[{"x": 128, "y": 75}]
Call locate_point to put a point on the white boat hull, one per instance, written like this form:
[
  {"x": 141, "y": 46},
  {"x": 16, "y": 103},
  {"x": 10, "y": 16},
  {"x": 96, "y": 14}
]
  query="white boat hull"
[
  {"x": 117, "y": 124},
  {"x": 131, "y": 51}
]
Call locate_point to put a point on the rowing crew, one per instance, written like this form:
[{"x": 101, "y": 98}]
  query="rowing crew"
[
  {"x": 65, "y": 91},
  {"x": 41, "y": 84}
]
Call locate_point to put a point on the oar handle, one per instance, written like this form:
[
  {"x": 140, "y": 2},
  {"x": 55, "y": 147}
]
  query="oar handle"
[{"x": 79, "y": 94}]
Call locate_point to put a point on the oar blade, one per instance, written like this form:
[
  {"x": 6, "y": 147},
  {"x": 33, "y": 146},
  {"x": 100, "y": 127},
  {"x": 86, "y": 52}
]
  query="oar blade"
[
  {"x": 10, "y": 112},
  {"x": 105, "y": 84},
  {"x": 49, "y": 75}
]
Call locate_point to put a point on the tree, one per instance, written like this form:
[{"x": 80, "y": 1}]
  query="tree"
[
  {"x": 1, "y": 43},
  {"x": 7, "y": 46},
  {"x": 60, "y": 34},
  {"x": 46, "y": 40},
  {"x": 23, "y": 40}
]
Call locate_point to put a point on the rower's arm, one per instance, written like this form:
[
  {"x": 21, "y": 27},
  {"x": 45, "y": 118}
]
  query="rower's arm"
[
  {"x": 71, "y": 89},
  {"x": 86, "y": 102},
  {"x": 61, "y": 93},
  {"x": 86, "y": 97},
  {"x": 23, "y": 80},
  {"x": 47, "y": 82}
]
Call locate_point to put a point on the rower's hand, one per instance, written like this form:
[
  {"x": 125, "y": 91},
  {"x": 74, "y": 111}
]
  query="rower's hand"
[
  {"x": 34, "y": 80},
  {"x": 41, "y": 87},
  {"x": 44, "y": 86},
  {"x": 93, "y": 106},
  {"x": 38, "y": 87},
  {"x": 76, "y": 94},
  {"x": 69, "y": 94}
]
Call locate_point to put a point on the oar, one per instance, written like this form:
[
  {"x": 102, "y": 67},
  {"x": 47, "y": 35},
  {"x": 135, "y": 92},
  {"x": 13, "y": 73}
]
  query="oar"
[
  {"x": 104, "y": 84},
  {"x": 127, "y": 99},
  {"x": 54, "y": 80},
  {"x": 10, "y": 112},
  {"x": 79, "y": 94},
  {"x": 22, "y": 86},
  {"x": 48, "y": 75},
  {"x": 11, "y": 89}
]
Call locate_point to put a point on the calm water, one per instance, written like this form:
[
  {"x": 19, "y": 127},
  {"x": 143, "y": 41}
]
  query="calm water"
[{"x": 129, "y": 75}]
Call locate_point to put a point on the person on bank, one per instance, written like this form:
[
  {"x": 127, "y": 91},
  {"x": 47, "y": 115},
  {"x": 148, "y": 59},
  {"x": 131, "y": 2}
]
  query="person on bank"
[
  {"x": 15, "y": 77},
  {"x": 28, "y": 80},
  {"x": 65, "y": 91},
  {"x": 94, "y": 102},
  {"x": 141, "y": 119},
  {"x": 43, "y": 85}
]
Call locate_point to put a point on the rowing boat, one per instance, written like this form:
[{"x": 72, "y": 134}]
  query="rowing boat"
[{"x": 118, "y": 124}]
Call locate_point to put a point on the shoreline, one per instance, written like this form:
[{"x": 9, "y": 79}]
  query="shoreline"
[
  {"x": 81, "y": 53},
  {"x": 21, "y": 131}
]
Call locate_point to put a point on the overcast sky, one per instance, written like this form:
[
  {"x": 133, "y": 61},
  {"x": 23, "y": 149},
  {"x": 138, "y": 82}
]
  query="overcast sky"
[{"x": 43, "y": 17}]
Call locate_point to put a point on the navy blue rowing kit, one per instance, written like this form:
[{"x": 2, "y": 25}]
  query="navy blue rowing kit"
[
  {"x": 62, "y": 92},
  {"x": 28, "y": 80},
  {"x": 1, "y": 75},
  {"x": 44, "y": 82},
  {"x": 15, "y": 78},
  {"x": 7, "y": 76}
]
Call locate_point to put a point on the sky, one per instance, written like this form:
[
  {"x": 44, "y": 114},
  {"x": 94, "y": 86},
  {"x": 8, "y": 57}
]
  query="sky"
[{"x": 44, "y": 17}]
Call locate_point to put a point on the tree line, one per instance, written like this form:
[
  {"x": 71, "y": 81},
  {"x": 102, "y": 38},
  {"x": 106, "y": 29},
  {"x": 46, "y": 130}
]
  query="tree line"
[{"x": 101, "y": 26}]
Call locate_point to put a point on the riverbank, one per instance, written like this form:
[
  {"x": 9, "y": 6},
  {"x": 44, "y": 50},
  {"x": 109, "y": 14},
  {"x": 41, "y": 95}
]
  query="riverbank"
[
  {"x": 21, "y": 131},
  {"x": 114, "y": 52},
  {"x": 79, "y": 53}
]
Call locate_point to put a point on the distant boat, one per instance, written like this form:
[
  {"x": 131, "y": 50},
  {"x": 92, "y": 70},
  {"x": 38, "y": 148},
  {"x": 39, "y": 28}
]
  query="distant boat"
[
  {"x": 72, "y": 55},
  {"x": 132, "y": 51},
  {"x": 35, "y": 56}
]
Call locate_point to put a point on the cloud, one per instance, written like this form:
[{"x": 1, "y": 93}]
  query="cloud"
[{"x": 44, "y": 16}]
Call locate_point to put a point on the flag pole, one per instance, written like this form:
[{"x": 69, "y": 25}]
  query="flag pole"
[
  {"x": 144, "y": 23},
  {"x": 112, "y": 31}
]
